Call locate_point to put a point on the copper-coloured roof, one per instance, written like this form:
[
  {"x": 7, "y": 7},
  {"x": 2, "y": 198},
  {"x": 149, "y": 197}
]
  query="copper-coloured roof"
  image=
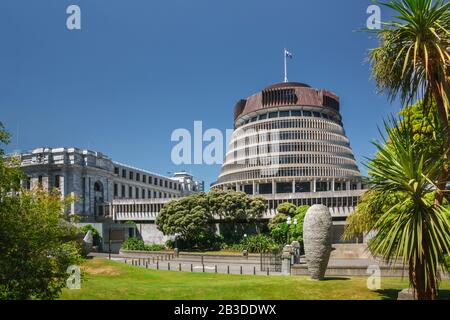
[{"x": 287, "y": 94}]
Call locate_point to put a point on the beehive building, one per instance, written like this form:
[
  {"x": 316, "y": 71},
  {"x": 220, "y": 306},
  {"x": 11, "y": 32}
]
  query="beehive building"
[{"x": 289, "y": 144}]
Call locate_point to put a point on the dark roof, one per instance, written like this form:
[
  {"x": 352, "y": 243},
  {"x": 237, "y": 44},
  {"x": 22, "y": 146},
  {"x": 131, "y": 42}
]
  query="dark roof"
[{"x": 288, "y": 85}]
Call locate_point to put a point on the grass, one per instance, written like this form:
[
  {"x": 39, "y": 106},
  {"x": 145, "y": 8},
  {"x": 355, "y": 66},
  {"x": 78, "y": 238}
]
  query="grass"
[{"x": 104, "y": 280}]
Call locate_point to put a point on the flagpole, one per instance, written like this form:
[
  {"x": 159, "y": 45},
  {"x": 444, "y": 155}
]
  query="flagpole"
[{"x": 285, "y": 67}]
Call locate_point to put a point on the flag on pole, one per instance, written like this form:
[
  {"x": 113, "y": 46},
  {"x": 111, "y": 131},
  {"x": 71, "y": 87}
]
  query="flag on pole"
[{"x": 288, "y": 54}]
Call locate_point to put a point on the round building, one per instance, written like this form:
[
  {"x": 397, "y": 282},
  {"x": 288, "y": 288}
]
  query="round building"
[{"x": 289, "y": 144}]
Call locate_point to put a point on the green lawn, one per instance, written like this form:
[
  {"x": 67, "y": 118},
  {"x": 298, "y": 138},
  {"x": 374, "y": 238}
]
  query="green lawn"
[{"x": 106, "y": 279}]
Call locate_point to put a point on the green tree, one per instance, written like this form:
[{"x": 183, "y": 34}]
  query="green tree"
[
  {"x": 193, "y": 217},
  {"x": 280, "y": 231},
  {"x": 413, "y": 61},
  {"x": 37, "y": 245},
  {"x": 410, "y": 227},
  {"x": 186, "y": 217},
  {"x": 287, "y": 209}
]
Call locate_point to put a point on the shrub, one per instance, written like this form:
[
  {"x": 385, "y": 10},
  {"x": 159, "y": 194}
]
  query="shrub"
[
  {"x": 138, "y": 244},
  {"x": 258, "y": 243}
]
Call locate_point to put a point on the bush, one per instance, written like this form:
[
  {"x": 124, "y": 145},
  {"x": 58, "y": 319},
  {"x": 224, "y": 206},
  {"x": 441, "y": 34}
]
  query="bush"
[
  {"x": 138, "y": 244},
  {"x": 447, "y": 262},
  {"x": 205, "y": 240},
  {"x": 258, "y": 243}
]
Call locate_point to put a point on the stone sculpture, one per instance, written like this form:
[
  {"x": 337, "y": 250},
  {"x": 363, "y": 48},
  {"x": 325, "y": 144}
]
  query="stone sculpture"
[
  {"x": 88, "y": 242},
  {"x": 317, "y": 239}
]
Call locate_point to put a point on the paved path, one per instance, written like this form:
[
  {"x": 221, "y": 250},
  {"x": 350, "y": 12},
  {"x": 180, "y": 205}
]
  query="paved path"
[{"x": 231, "y": 266}]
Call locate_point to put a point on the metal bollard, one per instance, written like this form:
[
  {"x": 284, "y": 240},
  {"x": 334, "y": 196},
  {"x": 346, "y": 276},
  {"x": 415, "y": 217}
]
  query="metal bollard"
[
  {"x": 203, "y": 267},
  {"x": 254, "y": 270},
  {"x": 192, "y": 268},
  {"x": 125, "y": 260},
  {"x": 168, "y": 266},
  {"x": 146, "y": 265},
  {"x": 267, "y": 270},
  {"x": 215, "y": 268},
  {"x": 228, "y": 269},
  {"x": 179, "y": 267},
  {"x": 241, "y": 269},
  {"x": 157, "y": 265}
]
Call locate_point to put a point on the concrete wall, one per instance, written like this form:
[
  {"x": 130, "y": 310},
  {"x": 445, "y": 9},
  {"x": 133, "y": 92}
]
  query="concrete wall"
[{"x": 150, "y": 233}]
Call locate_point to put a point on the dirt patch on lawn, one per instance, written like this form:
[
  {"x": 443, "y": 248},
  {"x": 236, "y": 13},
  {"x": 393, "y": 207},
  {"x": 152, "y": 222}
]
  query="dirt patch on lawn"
[{"x": 98, "y": 268}]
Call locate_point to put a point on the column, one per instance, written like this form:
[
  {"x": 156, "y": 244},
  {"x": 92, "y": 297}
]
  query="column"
[
  {"x": 314, "y": 185},
  {"x": 274, "y": 187},
  {"x": 254, "y": 188},
  {"x": 293, "y": 186},
  {"x": 333, "y": 185}
]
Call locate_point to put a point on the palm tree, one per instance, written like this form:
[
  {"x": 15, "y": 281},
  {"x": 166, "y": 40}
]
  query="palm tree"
[
  {"x": 413, "y": 62},
  {"x": 411, "y": 227}
]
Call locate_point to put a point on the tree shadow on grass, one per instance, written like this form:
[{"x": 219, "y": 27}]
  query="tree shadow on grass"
[
  {"x": 335, "y": 278},
  {"x": 392, "y": 294}
]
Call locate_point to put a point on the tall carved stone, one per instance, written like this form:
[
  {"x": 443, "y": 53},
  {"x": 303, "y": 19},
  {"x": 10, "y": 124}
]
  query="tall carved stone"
[{"x": 317, "y": 238}]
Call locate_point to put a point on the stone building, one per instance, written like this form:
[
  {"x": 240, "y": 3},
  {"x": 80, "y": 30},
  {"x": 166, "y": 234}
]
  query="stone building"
[
  {"x": 289, "y": 145},
  {"x": 100, "y": 185}
]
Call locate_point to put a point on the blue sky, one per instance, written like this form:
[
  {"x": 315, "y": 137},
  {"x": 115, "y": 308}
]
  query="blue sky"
[{"x": 139, "y": 69}]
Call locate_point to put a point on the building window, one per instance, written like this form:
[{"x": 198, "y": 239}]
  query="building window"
[
  {"x": 284, "y": 113},
  {"x": 124, "y": 173},
  {"x": 160, "y": 195},
  {"x": 150, "y": 180},
  {"x": 131, "y": 175},
  {"x": 28, "y": 183},
  {"x": 321, "y": 186},
  {"x": 296, "y": 113},
  {"x": 154, "y": 194},
  {"x": 248, "y": 189},
  {"x": 137, "y": 193},
  {"x": 144, "y": 178},
  {"x": 273, "y": 115},
  {"x": 130, "y": 192},
  {"x": 116, "y": 190},
  {"x": 116, "y": 170},
  {"x": 284, "y": 187},
  {"x": 160, "y": 183},
  {"x": 123, "y": 192},
  {"x": 149, "y": 194},
  {"x": 156, "y": 181},
  {"x": 143, "y": 193},
  {"x": 170, "y": 185},
  {"x": 57, "y": 181},
  {"x": 301, "y": 187},
  {"x": 265, "y": 188},
  {"x": 138, "y": 177},
  {"x": 165, "y": 184}
]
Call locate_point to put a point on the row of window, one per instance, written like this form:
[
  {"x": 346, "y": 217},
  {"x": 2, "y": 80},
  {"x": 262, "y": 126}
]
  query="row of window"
[
  {"x": 265, "y": 173},
  {"x": 290, "y": 113},
  {"x": 255, "y": 151},
  {"x": 297, "y": 187},
  {"x": 343, "y": 162},
  {"x": 335, "y": 202},
  {"x": 277, "y": 136},
  {"x": 138, "y": 208},
  {"x": 136, "y": 176},
  {"x": 129, "y": 192},
  {"x": 303, "y": 123}
]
